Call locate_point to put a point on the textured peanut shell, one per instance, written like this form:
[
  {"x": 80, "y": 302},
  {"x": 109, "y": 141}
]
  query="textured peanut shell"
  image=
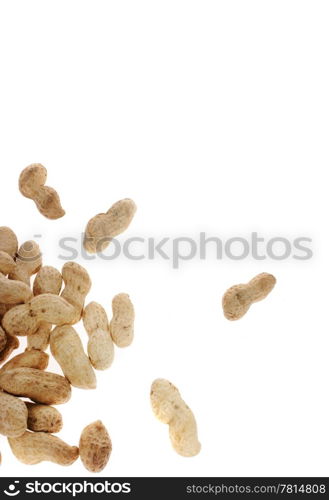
[
  {"x": 238, "y": 299},
  {"x": 43, "y": 418},
  {"x": 32, "y": 185},
  {"x": 39, "y": 386},
  {"x": 95, "y": 447},
  {"x": 28, "y": 262},
  {"x": 13, "y": 292},
  {"x": 169, "y": 407},
  {"x": 8, "y": 241},
  {"x": 77, "y": 285},
  {"x": 122, "y": 324},
  {"x": 3, "y": 339},
  {"x": 67, "y": 349},
  {"x": 35, "y": 447},
  {"x": 40, "y": 338},
  {"x": 12, "y": 343},
  {"x": 47, "y": 280},
  {"x": 25, "y": 319},
  {"x": 31, "y": 358},
  {"x": 100, "y": 344},
  {"x": 7, "y": 263},
  {"x": 13, "y": 415},
  {"x": 105, "y": 226}
]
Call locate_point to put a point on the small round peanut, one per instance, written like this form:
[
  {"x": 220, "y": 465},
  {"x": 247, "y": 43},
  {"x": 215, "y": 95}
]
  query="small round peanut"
[
  {"x": 28, "y": 262},
  {"x": 169, "y": 407},
  {"x": 77, "y": 285},
  {"x": 35, "y": 447},
  {"x": 100, "y": 344},
  {"x": 102, "y": 228},
  {"x": 32, "y": 185},
  {"x": 31, "y": 358},
  {"x": 67, "y": 349},
  {"x": 7, "y": 263},
  {"x": 238, "y": 299},
  {"x": 13, "y": 415},
  {"x": 95, "y": 447},
  {"x": 13, "y": 292},
  {"x": 8, "y": 241},
  {"x": 43, "y": 418},
  {"x": 39, "y": 386},
  {"x": 122, "y": 324}
]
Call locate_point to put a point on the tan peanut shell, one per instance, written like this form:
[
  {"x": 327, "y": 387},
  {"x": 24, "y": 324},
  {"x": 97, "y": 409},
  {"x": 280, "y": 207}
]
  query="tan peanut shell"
[
  {"x": 100, "y": 344},
  {"x": 25, "y": 319},
  {"x": 11, "y": 344},
  {"x": 95, "y": 447},
  {"x": 28, "y": 262},
  {"x": 35, "y": 447},
  {"x": 77, "y": 285},
  {"x": 31, "y": 358},
  {"x": 106, "y": 226},
  {"x": 238, "y": 299},
  {"x": 3, "y": 339},
  {"x": 67, "y": 349},
  {"x": 8, "y": 241},
  {"x": 43, "y": 418},
  {"x": 13, "y": 415},
  {"x": 122, "y": 324},
  {"x": 7, "y": 263},
  {"x": 32, "y": 185},
  {"x": 39, "y": 386},
  {"x": 169, "y": 407},
  {"x": 13, "y": 292}
]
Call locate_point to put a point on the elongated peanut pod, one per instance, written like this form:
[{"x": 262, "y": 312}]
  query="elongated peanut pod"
[
  {"x": 35, "y": 447},
  {"x": 122, "y": 324},
  {"x": 32, "y": 185},
  {"x": 42, "y": 387},
  {"x": 28, "y": 262},
  {"x": 77, "y": 285},
  {"x": 95, "y": 446},
  {"x": 13, "y": 292},
  {"x": 8, "y": 241},
  {"x": 238, "y": 299},
  {"x": 7, "y": 263},
  {"x": 102, "y": 228},
  {"x": 25, "y": 319},
  {"x": 31, "y": 358},
  {"x": 169, "y": 407},
  {"x": 13, "y": 415},
  {"x": 100, "y": 344},
  {"x": 43, "y": 418},
  {"x": 67, "y": 349}
]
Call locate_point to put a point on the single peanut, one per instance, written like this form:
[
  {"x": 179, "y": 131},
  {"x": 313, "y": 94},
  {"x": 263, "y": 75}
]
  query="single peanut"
[
  {"x": 77, "y": 285},
  {"x": 12, "y": 343},
  {"x": 67, "y": 349},
  {"x": 25, "y": 319},
  {"x": 13, "y": 292},
  {"x": 122, "y": 324},
  {"x": 43, "y": 418},
  {"x": 7, "y": 263},
  {"x": 169, "y": 407},
  {"x": 8, "y": 241},
  {"x": 100, "y": 344},
  {"x": 28, "y": 262},
  {"x": 35, "y": 447},
  {"x": 238, "y": 298},
  {"x": 31, "y": 358},
  {"x": 102, "y": 228},
  {"x": 95, "y": 447},
  {"x": 32, "y": 185},
  {"x": 3, "y": 339},
  {"x": 42, "y": 387},
  {"x": 13, "y": 415}
]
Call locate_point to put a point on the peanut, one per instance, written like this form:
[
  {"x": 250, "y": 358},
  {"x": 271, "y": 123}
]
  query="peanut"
[
  {"x": 13, "y": 415},
  {"x": 43, "y": 418},
  {"x": 8, "y": 241},
  {"x": 95, "y": 447},
  {"x": 100, "y": 344},
  {"x": 31, "y": 358},
  {"x": 102, "y": 228},
  {"x": 28, "y": 262},
  {"x": 3, "y": 339},
  {"x": 122, "y": 324},
  {"x": 12, "y": 343},
  {"x": 35, "y": 447},
  {"x": 42, "y": 387},
  {"x": 13, "y": 292},
  {"x": 48, "y": 280},
  {"x": 32, "y": 185},
  {"x": 67, "y": 349},
  {"x": 77, "y": 285},
  {"x": 238, "y": 298},
  {"x": 25, "y": 319},
  {"x": 7, "y": 263},
  {"x": 169, "y": 407}
]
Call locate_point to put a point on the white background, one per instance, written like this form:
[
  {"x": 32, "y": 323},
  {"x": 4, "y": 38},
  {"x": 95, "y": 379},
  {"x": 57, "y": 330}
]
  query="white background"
[{"x": 212, "y": 116}]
